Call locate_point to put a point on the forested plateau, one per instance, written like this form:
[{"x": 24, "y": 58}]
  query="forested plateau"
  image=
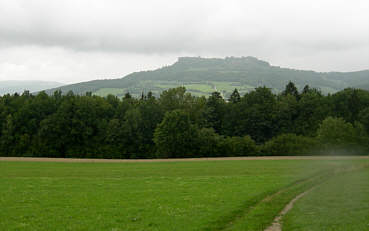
[{"x": 202, "y": 76}]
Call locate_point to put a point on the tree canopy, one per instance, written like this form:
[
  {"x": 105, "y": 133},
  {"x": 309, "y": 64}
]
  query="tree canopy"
[{"x": 178, "y": 124}]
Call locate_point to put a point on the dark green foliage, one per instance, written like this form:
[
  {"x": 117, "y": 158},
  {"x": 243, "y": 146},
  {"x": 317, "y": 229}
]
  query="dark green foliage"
[
  {"x": 349, "y": 102},
  {"x": 335, "y": 131},
  {"x": 364, "y": 118},
  {"x": 306, "y": 89},
  {"x": 337, "y": 136},
  {"x": 235, "y": 96},
  {"x": 291, "y": 89},
  {"x": 175, "y": 136},
  {"x": 239, "y": 146},
  {"x": 127, "y": 96},
  {"x": 178, "y": 124},
  {"x": 290, "y": 144},
  {"x": 255, "y": 115},
  {"x": 313, "y": 108},
  {"x": 215, "y": 111},
  {"x": 172, "y": 99},
  {"x": 287, "y": 112},
  {"x": 210, "y": 143}
]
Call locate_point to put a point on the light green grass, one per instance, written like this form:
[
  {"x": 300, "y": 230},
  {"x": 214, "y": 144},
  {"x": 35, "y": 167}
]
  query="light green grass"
[
  {"x": 197, "y": 89},
  {"x": 167, "y": 86},
  {"x": 204, "y": 195},
  {"x": 109, "y": 91},
  {"x": 226, "y": 86},
  {"x": 340, "y": 204},
  {"x": 229, "y": 87},
  {"x": 205, "y": 89},
  {"x": 200, "y": 87}
]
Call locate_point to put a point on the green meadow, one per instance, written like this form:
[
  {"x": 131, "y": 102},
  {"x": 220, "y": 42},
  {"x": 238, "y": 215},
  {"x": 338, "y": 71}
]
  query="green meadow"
[
  {"x": 191, "y": 195},
  {"x": 340, "y": 204}
]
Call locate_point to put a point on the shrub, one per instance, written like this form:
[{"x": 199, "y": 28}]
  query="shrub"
[
  {"x": 209, "y": 143},
  {"x": 290, "y": 144},
  {"x": 340, "y": 137},
  {"x": 239, "y": 146}
]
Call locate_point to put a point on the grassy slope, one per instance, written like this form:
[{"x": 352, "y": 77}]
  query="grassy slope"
[
  {"x": 208, "y": 195},
  {"x": 342, "y": 203},
  {"x": 110, "y": 91}
]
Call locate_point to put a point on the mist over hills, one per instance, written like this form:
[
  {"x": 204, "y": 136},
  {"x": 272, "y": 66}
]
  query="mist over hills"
[
  {"x": 201, "y": 76},
  {"x": 19, "y": 86}
]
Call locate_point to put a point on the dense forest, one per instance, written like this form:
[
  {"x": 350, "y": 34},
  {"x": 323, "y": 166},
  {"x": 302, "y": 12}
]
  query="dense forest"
[{"x": 178, "y": 124}]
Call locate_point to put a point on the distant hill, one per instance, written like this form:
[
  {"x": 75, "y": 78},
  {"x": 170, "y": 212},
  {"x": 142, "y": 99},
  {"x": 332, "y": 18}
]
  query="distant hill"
[
  {"x": 201, "y": 76},
  {"x": 364, "y": 86},
  {"x": 13, "y": 86}
]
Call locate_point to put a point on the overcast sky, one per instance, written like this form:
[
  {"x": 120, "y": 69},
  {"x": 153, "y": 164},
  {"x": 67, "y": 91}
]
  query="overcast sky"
[{"x": 78, "y": 40}]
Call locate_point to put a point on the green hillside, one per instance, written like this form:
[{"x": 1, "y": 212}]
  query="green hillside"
[{"x": 201, "y": 76}]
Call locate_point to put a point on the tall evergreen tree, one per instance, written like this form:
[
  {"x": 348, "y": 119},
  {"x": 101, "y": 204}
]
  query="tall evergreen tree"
[
  {"x": 215, "y": 109},
  {"x": 291, "y": 89},
  {"x": 235, "y": 97}
]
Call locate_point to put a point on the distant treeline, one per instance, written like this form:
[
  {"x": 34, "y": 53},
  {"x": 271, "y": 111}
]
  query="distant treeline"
[{"x": 177, "y": 124}]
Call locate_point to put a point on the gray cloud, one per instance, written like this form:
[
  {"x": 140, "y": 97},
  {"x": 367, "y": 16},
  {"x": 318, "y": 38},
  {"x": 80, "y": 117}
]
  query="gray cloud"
[
  {"x": 176, "y": 26},
  {"x": 286, "y": 32}
]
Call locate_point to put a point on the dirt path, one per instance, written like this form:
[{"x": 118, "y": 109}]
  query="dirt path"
[
  {"x": 38, "y": 159},
  {"x": 276, "y": 225}
]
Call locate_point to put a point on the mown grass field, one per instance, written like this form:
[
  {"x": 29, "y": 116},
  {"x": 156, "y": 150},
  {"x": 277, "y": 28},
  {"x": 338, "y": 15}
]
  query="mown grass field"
[
  {"x": 194, "y": 195},
  {"x": 340, "y": 204}
]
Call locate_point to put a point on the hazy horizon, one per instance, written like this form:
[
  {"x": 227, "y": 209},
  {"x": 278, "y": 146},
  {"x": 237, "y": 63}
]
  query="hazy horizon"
[
  {"x": 154, "y": 68},
  {"x": 74, "y": 41}
]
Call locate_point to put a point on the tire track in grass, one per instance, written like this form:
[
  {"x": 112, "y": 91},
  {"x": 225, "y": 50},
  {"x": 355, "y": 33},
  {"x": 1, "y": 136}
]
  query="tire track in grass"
[
  {"x": 277, "y": 225},
  {"x": 227, "y": 222},
  {"x": 253, "y": 216},
  {"x": 252, "y": 208}
]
